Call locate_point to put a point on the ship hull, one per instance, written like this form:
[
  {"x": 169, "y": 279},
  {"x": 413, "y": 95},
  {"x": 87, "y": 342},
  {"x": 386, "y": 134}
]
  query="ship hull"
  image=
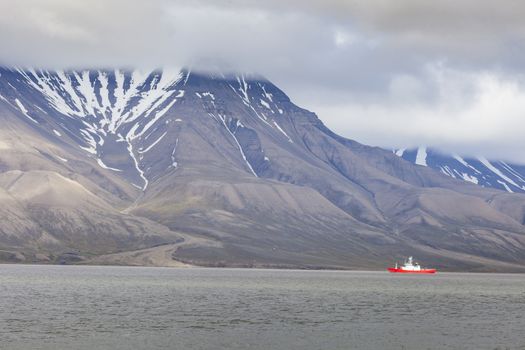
[{"x": 422, "y": 271}]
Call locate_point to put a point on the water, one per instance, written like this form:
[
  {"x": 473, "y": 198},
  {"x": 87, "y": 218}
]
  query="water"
[{"x": 73, "y": 307}]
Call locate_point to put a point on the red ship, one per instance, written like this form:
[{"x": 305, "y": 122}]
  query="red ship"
[{"x": 410, "y": 267}]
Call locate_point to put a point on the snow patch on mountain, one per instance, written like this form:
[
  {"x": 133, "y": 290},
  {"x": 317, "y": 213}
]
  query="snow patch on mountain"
[
  {"x": 400, "y": 152},
  {"x": 421, "y": 157},
  {"x": 24, "y": 110},
  {"x": 101, "y": 163},
  {"x": 496, "y": 171},
  {"x": 154, "y": 143},
  {"x": 222, "y": 118}
]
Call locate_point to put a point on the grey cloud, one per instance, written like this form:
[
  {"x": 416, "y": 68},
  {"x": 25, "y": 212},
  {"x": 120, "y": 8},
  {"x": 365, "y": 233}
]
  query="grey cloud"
[{"x": 281, "y": 38}]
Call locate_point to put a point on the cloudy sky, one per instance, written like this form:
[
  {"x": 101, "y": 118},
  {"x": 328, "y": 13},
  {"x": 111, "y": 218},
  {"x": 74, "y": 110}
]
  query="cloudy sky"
[{"x": 389, "y": 73}]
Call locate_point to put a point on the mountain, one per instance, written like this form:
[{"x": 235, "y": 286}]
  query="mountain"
[
  {"x": 168, "y": 167},
  {"x": 478, "y": 170}
]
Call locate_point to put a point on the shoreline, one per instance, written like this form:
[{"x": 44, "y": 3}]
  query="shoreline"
[{"x": 269, "y": 268}]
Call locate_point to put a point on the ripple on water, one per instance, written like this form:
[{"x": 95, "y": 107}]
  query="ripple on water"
[{"x": 50, "y": 307}]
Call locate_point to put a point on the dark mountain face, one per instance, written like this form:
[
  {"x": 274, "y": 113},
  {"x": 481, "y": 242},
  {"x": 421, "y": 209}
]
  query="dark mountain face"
[
  {"x": 478, "y": 170},
  {"x": 222, "y": 171}
]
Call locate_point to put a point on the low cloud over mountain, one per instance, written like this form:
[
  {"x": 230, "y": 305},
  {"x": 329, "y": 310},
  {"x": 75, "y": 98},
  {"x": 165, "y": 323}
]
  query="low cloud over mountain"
[{"x": 441, "y": 73}]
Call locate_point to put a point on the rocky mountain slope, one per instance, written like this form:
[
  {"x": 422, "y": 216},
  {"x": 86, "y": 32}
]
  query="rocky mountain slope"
[
  {"x": 478, "y": 170},
  {"x": 222, "y": 171}
]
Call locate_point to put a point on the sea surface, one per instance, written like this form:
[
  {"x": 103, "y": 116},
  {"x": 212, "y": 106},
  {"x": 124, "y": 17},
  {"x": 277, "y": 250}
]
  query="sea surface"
[{"x": 89, "y": 307}]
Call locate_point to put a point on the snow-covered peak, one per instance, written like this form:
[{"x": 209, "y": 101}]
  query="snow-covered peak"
[
  {"x": 103, "y": 111},
  {"x": 477, "y": 170},
  {"x": 110, "y": 99}
]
